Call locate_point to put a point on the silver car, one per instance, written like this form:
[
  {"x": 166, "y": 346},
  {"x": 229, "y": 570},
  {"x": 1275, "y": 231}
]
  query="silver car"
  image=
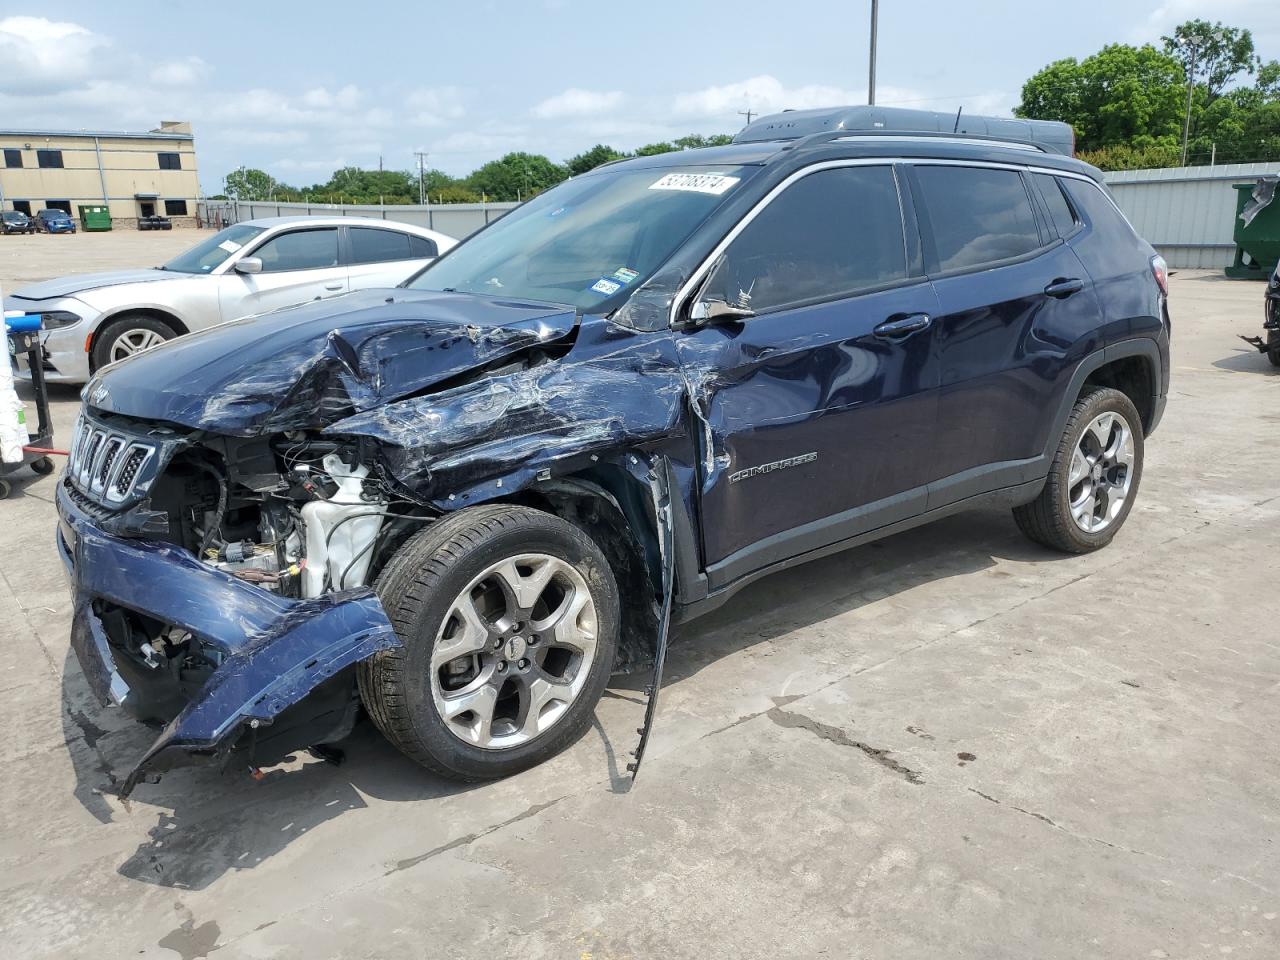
[{"x": 252, "y": 267}]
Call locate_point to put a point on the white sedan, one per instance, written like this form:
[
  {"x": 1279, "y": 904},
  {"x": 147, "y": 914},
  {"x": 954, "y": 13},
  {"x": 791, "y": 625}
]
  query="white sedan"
[{"x": 252, "y": 267}]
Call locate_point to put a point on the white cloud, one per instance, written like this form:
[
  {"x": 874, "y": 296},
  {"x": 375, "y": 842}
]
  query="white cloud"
[
  {"x": 578, "y": 103},
  {"x": 45, "y": 56},
  {"x": 319, "y": 98},
  {"x": 186, "y": 72},
  {"x": 434, "y": 106},
  {"x": 762, "y": 94}
]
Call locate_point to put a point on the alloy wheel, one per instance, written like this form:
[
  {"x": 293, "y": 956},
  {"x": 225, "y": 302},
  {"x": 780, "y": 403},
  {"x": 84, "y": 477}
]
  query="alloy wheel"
[
  {"x": 134, "y": 341},
  {"x": 1101, "y": 472},
  {"x": 514, "y": 651}
]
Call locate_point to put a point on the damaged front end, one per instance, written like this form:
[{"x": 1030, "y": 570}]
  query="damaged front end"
[{"x": 228, "y": 500}]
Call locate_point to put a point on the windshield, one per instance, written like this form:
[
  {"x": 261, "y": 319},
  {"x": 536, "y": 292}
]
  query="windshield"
[
  {"x": 588, "y": 240},
  {"x": 56, "y": 214},
  {"x": 212, "y": 253},
  {"x": 18, "y": 217}
]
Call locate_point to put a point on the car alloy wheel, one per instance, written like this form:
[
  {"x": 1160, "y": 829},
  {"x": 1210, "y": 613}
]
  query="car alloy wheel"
[
  {"x": 514, "y": 651},
  {"x": 135, "y": 341},
  {"x": 1101, "y": 472}
]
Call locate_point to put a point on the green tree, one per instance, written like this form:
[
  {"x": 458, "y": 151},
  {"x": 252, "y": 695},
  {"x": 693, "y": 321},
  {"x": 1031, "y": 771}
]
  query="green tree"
[
  {"x": 453, "y": 193},
  {"x": 1211, "y": 54},
  {"x": 1121, "y": 94},
  {"x": 591, "y": 159},
  {"x": 517, "y": 176},
  {"x": 251, "y": 184},
  {"x": 652, "y": 149},
  {"x": 695, "y": 140}
]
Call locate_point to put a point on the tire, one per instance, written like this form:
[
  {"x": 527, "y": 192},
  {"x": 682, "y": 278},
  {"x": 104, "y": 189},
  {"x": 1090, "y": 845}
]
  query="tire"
[
  {"x": 1273, "y": 347},
  {"x": 43, "y": 466},
  {"x": 131, "y": 328},
  {"x": 1050, "y": 519},
  {"x": 421, "y": 589}
]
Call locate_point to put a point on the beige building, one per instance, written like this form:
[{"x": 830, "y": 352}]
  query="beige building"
[{"x": 134, "y": 174}]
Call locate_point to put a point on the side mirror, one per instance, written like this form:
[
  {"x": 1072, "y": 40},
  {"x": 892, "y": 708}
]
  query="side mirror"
[
  {"x": 249, "y": 265},
  {"x": 709, "y": 311}
]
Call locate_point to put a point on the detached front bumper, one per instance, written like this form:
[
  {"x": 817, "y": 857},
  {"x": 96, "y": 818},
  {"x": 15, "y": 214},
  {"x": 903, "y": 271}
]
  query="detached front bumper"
[{"x": 275, "y": 651}]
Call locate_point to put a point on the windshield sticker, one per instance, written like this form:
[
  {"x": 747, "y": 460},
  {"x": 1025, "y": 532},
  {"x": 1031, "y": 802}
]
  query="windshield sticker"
[
  {"x": 229, "y": 245},
  {"x": 606, "y": 286},
  {"x": 625, "y": 274},
  {"x": 712, "y": 183}
]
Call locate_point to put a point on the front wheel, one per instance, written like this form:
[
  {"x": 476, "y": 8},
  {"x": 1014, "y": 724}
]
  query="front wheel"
[
  {"x": 127, "y": 335},
  {"x": 509, "y": 620},
  {"x": 1273, "y": 347},
  {"x": 1094, "y": 477}
]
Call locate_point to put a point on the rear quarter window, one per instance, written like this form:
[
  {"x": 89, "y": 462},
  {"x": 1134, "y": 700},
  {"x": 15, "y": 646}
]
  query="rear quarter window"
[
  {"x": 1060, "y": 212},
  {"x": 977, "y": 215}
]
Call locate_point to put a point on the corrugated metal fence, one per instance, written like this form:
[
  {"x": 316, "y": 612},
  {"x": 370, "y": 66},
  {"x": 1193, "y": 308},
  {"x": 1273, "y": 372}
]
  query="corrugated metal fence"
[
  {"x": 456, "y": 220},
  {"x": 1187, "y": 213}
]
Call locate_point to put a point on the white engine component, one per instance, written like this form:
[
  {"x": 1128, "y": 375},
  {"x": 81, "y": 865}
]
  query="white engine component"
[{"x": 337, "y": 545}]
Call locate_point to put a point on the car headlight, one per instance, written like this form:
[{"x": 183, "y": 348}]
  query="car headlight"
[{"x": 56, "y": 319}]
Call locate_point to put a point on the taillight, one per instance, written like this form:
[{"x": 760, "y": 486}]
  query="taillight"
[{"x": 1160, "y": 270}]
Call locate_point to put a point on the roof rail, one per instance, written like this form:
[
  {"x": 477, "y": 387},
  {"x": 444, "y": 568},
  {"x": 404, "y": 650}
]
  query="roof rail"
[{"x": 806, "y": 126}]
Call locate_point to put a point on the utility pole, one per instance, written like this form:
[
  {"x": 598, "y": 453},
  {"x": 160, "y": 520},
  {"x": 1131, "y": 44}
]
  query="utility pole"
[
  {"x": 871, "y": 80},
  {"x": 422, "y": 159},
  {"x": 746, "y": 113},
  {"x": 1191, "y": 86}
]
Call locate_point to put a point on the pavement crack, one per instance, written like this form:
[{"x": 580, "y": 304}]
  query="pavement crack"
[
  {"x": 470, "y": 838},
  {"x": 824, "y": 731}
]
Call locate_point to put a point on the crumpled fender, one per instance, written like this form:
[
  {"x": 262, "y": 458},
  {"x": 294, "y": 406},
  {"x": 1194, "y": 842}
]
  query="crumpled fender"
[{"x": 275, "y": 650}]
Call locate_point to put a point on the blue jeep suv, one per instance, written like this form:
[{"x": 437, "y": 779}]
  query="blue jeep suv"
[{"x": 463, "y": 503}]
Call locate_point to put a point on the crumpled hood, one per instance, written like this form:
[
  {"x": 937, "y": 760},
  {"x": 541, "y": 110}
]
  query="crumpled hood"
[
  {"x": 307, "y": 366},
  {"x": 66, "y": 286}
]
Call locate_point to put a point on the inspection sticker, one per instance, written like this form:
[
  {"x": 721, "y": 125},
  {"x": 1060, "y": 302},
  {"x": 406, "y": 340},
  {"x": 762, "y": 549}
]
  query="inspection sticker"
[
  {"x": 229, "y": 245},
  {"x": 713, "y": 183},
  {"x": 625, "y": 274},
  {"x": 606, "y": 286}
]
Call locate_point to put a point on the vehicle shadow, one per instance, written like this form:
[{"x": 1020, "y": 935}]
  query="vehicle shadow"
[
  {"x": 1247, "y": 360},
  {"x": 222, "y": 823}
]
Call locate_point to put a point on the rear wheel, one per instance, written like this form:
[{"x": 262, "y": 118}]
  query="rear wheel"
[
  {"x": 509, "y": 622},
  {"x": 1094, "y": 477},
  {"x": 126, "y": 336},
  {"x": 1273, "y": 347}
]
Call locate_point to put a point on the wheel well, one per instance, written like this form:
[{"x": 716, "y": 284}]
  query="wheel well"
[
  {"x": 600, "y": 506},
  {"x": 168, "y": 319},
  {"x": 1133, "y": 377}
]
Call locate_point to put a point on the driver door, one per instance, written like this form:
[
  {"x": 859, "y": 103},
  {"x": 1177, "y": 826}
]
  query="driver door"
[
  {"x": 820, "y": 408},
  {"x": 297, "y": 265}
]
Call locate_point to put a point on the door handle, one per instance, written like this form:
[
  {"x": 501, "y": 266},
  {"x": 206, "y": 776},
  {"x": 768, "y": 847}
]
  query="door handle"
[
  {"x": 903, "y": 327},
  {"x": 333, "y": 286},
  {"x": 1064, "y": 287}
]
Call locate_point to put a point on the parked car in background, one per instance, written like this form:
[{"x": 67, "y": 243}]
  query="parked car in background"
[
  {"x": 15, "y": 221},
  {"x": 630, "y": 398},
  {"x": 53, "y": 220},
  {"x": 1270, "y": 321},
  {"x": 155, "y": 222},
  {"x": 252, "y": 267}
]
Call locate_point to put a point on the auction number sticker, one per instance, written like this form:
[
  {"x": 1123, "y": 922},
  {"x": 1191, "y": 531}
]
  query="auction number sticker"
[
  {"x": 712, "y": 183},
  {"x": 229, "y": 245}
]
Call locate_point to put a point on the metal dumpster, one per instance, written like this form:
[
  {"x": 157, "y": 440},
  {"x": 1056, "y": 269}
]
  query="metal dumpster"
[
  {"x": 94, "y": 217},
  {"x": 1257, "y": 230}
]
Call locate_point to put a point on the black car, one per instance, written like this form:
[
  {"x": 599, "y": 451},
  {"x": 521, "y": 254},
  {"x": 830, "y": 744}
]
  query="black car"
[
  {"x": 15, "y": 221},
  {"x": 461, "y": 504},
  {"x": 154, "y": 222}
]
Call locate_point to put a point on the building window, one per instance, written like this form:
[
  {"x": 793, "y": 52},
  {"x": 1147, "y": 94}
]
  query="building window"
[
  {"x": 175, "y": 208},
  {"x": 170, "y": 161},
  {"x": 13, "y": 158},
  {"x": 49, "y": 159}
]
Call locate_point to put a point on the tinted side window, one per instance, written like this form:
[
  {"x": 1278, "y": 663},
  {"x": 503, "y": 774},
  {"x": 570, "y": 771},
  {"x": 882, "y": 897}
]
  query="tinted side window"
[
  {"x": 13, "y": 158},
  {"x": 169, "y": 161},
  {"x": 300, "y": 250},
  {"x": 977, "y": 215},
  {"x": 1059, "y": 210},
  {"x": 831, "y": 233},
  {"x": 49, "y": 159},
  {"x": 422, "y": 247},
  {"x": 371, "y": 245},
  {"x": 175, "y": 208}
]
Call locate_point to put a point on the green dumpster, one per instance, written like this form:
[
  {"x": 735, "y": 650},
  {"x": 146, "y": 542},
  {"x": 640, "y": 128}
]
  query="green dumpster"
[
  {"x": 1258, "y": 242},
  {"x": 95, "y": 217}
]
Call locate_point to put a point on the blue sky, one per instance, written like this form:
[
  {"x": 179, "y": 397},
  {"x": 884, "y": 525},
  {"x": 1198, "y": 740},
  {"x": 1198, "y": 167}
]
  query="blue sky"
[{"x": 300, "y": 89}]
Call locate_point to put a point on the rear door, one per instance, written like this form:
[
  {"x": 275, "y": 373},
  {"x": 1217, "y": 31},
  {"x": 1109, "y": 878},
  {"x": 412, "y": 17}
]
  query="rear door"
[
  {"x": 1016, "y": 308},
  {"x": 297, "y": 265},
  {"x": 383, "y": 257},
  {"x": 820, "y": 409}
]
